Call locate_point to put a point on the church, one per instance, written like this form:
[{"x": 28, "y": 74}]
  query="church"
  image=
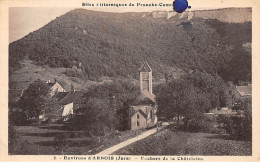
[{"x": 143, "y": 109}]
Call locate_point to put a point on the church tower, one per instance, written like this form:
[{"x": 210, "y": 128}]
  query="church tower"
[{"x": 146, "y": 79}]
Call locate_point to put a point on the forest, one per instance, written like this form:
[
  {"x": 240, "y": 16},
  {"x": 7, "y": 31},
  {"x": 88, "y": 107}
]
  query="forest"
[{"x": 107, "y": 45}]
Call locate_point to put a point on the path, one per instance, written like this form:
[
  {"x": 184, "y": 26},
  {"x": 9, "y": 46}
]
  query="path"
[{"x": 112, "y": 149}]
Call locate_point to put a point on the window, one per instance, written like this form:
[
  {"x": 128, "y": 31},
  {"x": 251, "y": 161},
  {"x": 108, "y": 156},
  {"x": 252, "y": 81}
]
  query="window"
[
  {"x": 138, "y": 124},
  {"x": 137, "y": 116}
]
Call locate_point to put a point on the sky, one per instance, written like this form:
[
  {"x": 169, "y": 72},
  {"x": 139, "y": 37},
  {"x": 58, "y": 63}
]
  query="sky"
[{"x": 23, "y": 20}]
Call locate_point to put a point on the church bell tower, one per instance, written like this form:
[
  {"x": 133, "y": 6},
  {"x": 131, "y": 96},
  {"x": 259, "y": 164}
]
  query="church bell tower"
[{"x": 146, "y": 78}]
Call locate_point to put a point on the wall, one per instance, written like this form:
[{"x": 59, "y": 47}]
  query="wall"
[
  {"x": 149, "y": 121},
  {"x": 68, "y": 109},
  {"x": 142, "y": 121}
]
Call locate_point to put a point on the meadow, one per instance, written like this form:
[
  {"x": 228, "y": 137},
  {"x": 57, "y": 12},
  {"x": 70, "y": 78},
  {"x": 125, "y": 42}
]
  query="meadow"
[{"x": 167, "y": 142}]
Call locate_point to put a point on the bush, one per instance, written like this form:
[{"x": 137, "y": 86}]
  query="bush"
[
  {"x": 19, "y": 118},
  {"x": 202, "y": 124},
  {"x": 237, "y": 126}
]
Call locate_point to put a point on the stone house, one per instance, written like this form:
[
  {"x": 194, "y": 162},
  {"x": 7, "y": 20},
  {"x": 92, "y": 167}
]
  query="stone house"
[{"x": 143, "y": 109}]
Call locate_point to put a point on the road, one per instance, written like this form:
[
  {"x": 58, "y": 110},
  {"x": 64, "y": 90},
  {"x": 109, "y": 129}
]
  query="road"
[{"x": 112, "y": 149}]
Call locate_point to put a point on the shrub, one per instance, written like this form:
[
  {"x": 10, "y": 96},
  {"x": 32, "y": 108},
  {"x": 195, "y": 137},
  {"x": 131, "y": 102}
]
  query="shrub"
[
  {"x": 202, "y": 124},
  {"x": 237, "y": 126},
  {"x": 19, "y": 118}
]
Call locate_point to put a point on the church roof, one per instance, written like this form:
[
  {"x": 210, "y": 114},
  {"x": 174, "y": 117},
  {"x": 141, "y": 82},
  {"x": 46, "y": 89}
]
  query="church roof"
[
  {"x": 143, "y": 99},
  {"x": 145, "y": 67}
]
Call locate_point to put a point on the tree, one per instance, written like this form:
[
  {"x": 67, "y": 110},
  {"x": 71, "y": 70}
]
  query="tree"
[
  {"x": 123, "y": 117},
  {"x": 191, "y": 96},
  {"x": 105, "y": 106},
  {"x": 34, "y": 99},
  {"x": 239, "y": 126}
]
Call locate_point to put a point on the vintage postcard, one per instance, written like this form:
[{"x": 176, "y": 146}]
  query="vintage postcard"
[{"x": 130, "y": 80}]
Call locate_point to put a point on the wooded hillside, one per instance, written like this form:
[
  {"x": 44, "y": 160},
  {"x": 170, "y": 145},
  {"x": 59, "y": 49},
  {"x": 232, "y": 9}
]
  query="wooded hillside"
[{"x": 116, "y": 44}]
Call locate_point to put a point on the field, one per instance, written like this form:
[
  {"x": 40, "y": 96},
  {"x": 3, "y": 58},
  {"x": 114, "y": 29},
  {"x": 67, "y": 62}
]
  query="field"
[
  {"x": 54, "y": 140},
  {"x": 167, "y": 142}
]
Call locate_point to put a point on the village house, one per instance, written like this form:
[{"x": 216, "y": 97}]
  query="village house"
[
  {"x": 65, "y": 106},
  {"x": 70, "y": 103},
  {"x": 245, "y": 91},
  {"x": 56, "y": 91},
  {"x": 17, "y": 89},
  {"x": 142, "y": 112},
  {"x": 55, "y": 113},
  {"x": 54, "y": 88}
]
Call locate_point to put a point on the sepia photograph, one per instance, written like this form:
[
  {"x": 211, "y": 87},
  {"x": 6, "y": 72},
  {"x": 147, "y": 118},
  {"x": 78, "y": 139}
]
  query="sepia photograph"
[
  {"x": 149, "y": 83},
  {"x": 169, "y": 81}
]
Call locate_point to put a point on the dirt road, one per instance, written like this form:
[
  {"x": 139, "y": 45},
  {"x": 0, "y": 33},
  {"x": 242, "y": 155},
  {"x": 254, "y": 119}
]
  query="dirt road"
[{"x": 112, "y": 149}]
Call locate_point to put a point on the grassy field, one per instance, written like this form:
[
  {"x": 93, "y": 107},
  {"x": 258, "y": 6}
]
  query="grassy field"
[
  {"x": 54, "y": 140},
  {"x": 166, "y": 142}
]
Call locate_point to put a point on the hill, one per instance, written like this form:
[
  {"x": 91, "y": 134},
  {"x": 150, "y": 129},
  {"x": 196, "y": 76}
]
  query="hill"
[
  {"x": 91, "y": 45},
  {"x": 229, "y": 15}
]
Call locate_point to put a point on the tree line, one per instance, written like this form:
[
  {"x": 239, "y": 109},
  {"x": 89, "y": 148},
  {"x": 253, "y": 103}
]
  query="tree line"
[{"x": 105, "y": 107}]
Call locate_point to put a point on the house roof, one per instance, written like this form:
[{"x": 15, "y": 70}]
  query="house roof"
[
  {"x": 57, "y": 113},
  {"x": 143, "y": 99},
  {"x": 51, "y": 84},
  {"x": 74, "y": 96},
  {"x": 244, "y": 90},
  {"x": 60, "y": 95},
  {"x": 145, "y": 67}
]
